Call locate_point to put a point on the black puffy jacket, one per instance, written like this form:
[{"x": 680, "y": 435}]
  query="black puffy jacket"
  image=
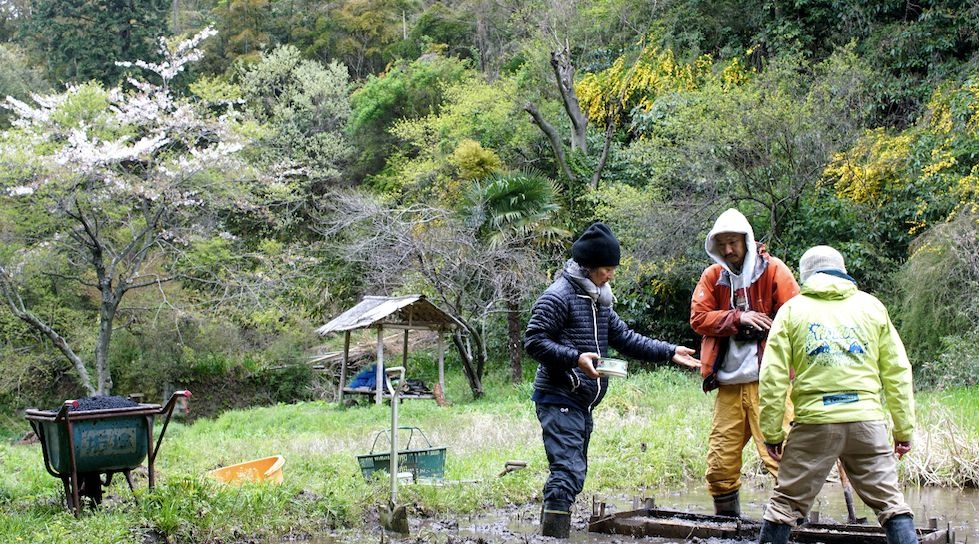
[{"x": 565, "y": 323}]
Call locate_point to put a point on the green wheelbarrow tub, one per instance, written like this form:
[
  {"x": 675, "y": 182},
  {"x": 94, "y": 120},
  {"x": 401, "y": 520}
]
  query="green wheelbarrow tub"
[{"x": 104, "y": 440}]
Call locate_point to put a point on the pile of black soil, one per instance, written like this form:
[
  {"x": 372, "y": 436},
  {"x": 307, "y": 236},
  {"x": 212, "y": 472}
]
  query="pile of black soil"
[{"x": 101, "y": 403}]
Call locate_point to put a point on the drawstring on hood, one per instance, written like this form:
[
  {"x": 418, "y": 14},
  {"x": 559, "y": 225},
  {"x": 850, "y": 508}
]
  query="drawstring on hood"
[
  {"x": 579, "y": 276},
  {"x": 734, "y": 221}
]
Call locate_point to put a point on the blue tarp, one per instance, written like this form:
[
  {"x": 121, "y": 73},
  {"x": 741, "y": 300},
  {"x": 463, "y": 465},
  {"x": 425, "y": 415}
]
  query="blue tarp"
[{"x": 365, "y": 378}]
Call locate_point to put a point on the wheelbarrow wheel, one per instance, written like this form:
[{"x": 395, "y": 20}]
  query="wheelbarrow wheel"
[{"x": 90, "y": 485}]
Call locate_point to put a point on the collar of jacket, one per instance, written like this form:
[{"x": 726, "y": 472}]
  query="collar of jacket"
[
  {"x": 837, "y": 273},
  {"x": 605, "y": 295}
]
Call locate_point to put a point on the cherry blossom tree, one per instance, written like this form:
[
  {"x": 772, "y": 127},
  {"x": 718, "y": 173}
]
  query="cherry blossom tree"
[{"x": 103, "y": 190}]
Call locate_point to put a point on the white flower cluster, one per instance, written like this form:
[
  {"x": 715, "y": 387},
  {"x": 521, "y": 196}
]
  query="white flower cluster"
[
  {"x": 87, "y": 150},
  {"x": 147, "y": 144},
  {"x": 27, "y": 115},
  {"x": 175, "y": 60}
]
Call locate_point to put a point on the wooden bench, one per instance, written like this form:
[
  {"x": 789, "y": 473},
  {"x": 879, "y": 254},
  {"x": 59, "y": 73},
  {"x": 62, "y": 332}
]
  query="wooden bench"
[{"x": 365, "y": 391}]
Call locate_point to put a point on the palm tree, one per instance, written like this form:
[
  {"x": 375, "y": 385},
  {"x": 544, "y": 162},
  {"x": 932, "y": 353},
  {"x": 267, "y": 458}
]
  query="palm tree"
[{"x": 517, "y": 211}]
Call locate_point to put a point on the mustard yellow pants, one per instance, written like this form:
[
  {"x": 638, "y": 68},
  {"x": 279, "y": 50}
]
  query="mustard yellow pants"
[{"x": 735, "y": 422}]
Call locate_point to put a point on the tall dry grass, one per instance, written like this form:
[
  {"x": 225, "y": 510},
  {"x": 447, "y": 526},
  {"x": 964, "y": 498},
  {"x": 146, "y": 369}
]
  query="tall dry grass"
[{"x": 945, "y": 452}]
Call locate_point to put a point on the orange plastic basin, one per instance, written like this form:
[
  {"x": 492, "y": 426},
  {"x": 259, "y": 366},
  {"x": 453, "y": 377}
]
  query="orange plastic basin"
[{"x": 267, "y": 469}]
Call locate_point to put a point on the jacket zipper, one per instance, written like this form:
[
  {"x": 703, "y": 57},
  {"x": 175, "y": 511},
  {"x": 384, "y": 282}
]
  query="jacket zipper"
[{"x": 598, "y": 349}]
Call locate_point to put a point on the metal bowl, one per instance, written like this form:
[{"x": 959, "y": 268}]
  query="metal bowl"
[{"x": 612, "y": 367}]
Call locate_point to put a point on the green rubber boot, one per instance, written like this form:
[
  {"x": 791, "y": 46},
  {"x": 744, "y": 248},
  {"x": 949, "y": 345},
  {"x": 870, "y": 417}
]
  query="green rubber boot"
[
  {"x": 773, "y": 533},
  {"x": 900, "y": 530},
  {"x": 555, "y": 522},
  {"x": 728, "y": 504}
]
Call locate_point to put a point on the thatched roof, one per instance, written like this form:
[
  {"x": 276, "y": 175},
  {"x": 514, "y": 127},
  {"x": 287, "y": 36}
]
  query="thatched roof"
[{"x": 408, "y": 312}]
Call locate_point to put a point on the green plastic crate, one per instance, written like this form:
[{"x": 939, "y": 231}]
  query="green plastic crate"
[{"x": 423, "y": 463}]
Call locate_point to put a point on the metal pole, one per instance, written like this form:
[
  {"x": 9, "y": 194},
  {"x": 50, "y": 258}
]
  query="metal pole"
[
  {"x": 394, "y": 446},
  {"x": 151, "y": 480},
  {"x": 343, "y": 366}
]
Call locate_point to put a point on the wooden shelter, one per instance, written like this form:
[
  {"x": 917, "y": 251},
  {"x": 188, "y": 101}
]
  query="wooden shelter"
[{"x": 411, "y": 312}]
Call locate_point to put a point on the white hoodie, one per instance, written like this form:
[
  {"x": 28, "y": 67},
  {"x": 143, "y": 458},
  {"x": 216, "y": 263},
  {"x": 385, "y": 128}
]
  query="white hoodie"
[{"x": 740, "y": 363}]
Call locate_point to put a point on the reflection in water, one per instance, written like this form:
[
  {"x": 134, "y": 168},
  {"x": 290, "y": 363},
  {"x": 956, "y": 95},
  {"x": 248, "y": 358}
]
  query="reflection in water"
[{"x": 955, "y": 507}]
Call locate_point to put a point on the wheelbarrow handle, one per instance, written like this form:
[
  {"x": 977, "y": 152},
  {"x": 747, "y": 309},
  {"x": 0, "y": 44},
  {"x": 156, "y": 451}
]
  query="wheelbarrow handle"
[
  {"x": 168, "y": 408},
  {"x": 183, "y": 393},
  {"x": 62, "y": 414},
  {"x": 394, "y": 372}
]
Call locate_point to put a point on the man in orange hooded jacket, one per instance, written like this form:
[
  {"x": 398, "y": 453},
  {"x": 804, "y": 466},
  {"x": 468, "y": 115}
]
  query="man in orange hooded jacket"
[{"x": 732, "y": 309}]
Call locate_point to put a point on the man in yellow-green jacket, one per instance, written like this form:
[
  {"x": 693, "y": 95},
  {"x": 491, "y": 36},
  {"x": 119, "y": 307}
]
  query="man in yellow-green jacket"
[{"x": 844, "y": 352}]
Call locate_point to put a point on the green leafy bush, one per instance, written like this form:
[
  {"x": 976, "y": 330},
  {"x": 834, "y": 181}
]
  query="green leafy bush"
[
  {"x": 939, "y": 290},
  {"x": 956, "y": 366}
]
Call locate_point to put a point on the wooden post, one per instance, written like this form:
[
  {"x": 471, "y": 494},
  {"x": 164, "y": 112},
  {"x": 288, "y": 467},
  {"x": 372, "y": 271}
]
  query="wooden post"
[
  {"x": 379, "y": 367},
  {"x": 343, "y": 365},
  {"x": 441, "y": 361},
  {"x": 404, "y": 352}
]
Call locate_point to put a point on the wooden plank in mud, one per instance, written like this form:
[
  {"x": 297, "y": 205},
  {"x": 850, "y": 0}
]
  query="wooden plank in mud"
[{"x": 664, "y": 523}]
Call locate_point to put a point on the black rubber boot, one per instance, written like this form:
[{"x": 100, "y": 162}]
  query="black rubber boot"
[
  {"x": 900, "y": 530},
  {"x": 555, "y": 522},
  {"x": 728, "y": 504},
  {"x": 773, "y": 533}
]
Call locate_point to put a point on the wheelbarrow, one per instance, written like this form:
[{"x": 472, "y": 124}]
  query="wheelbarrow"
[{"x": 80, "y": 446}]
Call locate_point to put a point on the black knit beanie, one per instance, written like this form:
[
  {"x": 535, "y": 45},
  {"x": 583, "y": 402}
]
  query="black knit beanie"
[{"x": 597, "y": 246}]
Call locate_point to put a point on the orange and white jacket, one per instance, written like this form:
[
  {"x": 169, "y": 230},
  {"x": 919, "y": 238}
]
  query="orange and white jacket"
[{"x": 713, "y": 317}]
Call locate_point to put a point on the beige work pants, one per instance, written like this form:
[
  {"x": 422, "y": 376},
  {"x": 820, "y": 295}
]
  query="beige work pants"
[
  {"x": 736, "y": 410},
  {"x": 811, "y": 451}
]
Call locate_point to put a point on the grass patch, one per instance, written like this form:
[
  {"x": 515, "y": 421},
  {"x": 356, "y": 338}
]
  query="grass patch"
[
  {"x": 946, "y": 439},
  {"x": 649, "y": 434}
]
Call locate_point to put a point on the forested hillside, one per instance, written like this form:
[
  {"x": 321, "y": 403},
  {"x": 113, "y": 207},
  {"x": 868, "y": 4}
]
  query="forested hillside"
[{"x": 191, "y": 187}]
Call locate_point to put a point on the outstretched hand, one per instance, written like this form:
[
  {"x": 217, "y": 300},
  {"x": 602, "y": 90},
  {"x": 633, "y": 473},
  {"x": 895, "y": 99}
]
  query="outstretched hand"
[{"x": 683, "y": 356}]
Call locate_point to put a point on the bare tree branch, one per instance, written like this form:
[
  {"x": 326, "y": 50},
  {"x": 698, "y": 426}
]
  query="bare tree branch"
[
  {"x": 564, "y": 75},
  {"x": 553, "y": 138},
  {"x": 16, "y": 304}
]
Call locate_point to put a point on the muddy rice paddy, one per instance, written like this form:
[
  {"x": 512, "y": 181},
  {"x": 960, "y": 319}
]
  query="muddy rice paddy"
[{"x": 956, "y": 508}]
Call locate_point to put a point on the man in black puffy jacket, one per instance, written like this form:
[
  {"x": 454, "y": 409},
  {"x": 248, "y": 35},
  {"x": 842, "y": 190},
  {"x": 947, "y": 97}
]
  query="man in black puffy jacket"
[{"x": 572, "y": 325}]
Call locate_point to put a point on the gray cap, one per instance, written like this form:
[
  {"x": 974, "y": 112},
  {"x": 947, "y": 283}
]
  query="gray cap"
[{"x": 818, "y": 258}]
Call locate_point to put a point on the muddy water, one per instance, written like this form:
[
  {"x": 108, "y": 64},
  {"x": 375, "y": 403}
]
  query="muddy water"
[{"x": 955, "y": 508}]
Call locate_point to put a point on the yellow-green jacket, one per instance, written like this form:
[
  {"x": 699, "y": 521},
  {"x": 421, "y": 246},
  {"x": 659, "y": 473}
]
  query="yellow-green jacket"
[{"x": 844, "y": 352}]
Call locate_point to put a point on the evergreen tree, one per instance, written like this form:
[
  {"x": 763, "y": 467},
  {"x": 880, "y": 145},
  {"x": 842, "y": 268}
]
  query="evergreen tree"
[{"x": 81, "y": 40}]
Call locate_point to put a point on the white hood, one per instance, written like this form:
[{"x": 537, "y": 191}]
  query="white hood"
[
  {"x": 734, "y": 221},
  {"x": 740, "y": 364}
]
